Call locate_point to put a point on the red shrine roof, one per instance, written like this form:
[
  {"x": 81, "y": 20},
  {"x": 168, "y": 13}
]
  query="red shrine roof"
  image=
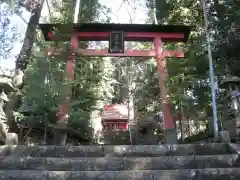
[
  {"x": 64, "y": 31},
  {"x": 115, "y": 112}
]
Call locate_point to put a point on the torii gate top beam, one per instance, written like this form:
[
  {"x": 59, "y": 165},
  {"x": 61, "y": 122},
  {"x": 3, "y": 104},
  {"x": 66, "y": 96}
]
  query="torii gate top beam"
[{"x": 100, "y": 32}]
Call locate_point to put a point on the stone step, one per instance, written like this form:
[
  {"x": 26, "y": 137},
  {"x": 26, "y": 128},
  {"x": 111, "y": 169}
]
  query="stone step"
[
  {"x": 193, "y": 174},
  {"x": 119, "y": 163},
  {"x": 122, "y": 150}
]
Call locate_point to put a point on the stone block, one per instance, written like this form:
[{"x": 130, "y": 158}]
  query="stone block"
[
  {"x": 199, "y": 174},
  {"x": 170, "y": 136},
  {"x": 62, "y": 164},
  {"x": 141, "y": 163},
  {"x": 234, "y": 148},
  {"x": 183, "y": 174},
  {"x": 198, "y": 149},
  {"x": 174, "y": 175},
  {"x": 218, "y": 174},
  {"x": 7, "y": 150},
  {"x": 60, "y": 175},
  {"x": 23, "y": 175},
  {"x": 118, "y": 150},
  {"x": 224, "y": 137},
  {"x": 137, "y": 150},
  {"x": 52, "y": 151},
  {"x": 108, "y": 164},
  {"x": 22, "y": 163},
  {"x": 79, "y": 151},
  {"x": 172, "y": 162},
  {"x": 93, "y": 175},
  {"x": 236, "y": 160},
  {"x": 230, "y": 126},
  {"x": 134, "y": 175},
  {"x": 118, "y": 163},
  {"x": 116, "y": 138},
  {"x": 211, "y": 149},
  {"x": 36, "y": 151},
  {"x": 181, "y": 150},
  {"x": 68, "y": 164},
  {"x": 21, "y": 150},
  {"x": 213, "y": 161}
]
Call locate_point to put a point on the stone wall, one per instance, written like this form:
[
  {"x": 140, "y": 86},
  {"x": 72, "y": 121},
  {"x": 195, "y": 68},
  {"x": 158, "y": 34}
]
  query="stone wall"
[{"x": 115, "y": 138}]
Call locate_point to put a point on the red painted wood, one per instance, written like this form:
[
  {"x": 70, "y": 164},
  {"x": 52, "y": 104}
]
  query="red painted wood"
[
  {"x": 158, "y": 52},
  {"x": 109, "y": 126},
  {"x": 69, "y": 73},
  {"x": 118, "y": 107},
  {"x": 63, "y": 111},
  {"x": 124, "y": 121},
  {"x": 162, "y": 77},
  {"x": 50, "y": 35},
  {"x": 129, "y": 36},
  {"x": 127, "y": 53},
  {"x": 113, "y": 107}
]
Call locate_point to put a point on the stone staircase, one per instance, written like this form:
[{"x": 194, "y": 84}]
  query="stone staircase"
[{"x": 139, "y": 162}]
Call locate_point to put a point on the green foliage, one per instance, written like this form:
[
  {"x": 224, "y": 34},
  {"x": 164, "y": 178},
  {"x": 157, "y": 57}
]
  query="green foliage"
[
  {"x": 188, "y": 81},
  {"x": 46, "y": 88},
  {"x": 187, "y": 72}
]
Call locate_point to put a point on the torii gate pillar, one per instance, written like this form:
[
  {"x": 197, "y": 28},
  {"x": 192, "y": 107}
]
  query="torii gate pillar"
[{"x": 170, "y": 133}]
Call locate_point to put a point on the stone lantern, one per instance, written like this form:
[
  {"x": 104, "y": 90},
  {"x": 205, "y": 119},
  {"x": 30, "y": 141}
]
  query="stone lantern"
[
  {"x": 149, "y": 129},
  {"x": 232, "y": 103}
]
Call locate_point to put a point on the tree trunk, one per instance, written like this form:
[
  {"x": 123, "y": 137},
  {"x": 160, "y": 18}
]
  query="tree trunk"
[
  {"x": 30, "y": 36},
  {"x": 22, "y": 60}
]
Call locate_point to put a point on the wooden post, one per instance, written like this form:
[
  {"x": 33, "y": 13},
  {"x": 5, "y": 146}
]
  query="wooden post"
[
  {"x": 59, "y": 137},
  {"x": 169, "y": 127}
]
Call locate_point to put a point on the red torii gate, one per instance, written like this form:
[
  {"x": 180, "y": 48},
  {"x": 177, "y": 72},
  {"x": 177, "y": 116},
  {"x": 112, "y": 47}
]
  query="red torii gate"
[{"x": 116, "y": 34}]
